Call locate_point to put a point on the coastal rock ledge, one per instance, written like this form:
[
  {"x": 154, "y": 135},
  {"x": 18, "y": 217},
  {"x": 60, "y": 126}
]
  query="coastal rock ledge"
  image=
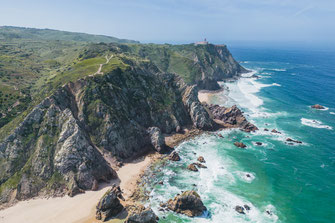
[
  {"x": 188, "y": 203},
  {"x": 230, "y": 117}
]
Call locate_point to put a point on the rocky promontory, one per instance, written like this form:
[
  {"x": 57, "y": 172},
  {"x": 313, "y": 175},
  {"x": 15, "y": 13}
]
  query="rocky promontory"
[{"x": 230, "y": 117}]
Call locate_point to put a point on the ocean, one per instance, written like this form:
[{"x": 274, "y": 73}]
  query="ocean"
[{"x": 278, "y": 181}]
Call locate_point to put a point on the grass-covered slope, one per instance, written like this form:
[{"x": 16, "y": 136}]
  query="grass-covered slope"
[{"x": 11, "y": 32}]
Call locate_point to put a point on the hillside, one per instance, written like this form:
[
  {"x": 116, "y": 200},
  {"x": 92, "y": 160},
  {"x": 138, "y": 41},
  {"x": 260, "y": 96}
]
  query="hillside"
[
  {"x": 56, "y": 93},
  {"x": 12, "y": 33}
]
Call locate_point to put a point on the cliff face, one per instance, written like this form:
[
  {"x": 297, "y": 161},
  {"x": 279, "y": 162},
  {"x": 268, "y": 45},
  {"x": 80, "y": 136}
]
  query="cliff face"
[
  {"x": 203, "y": 65},
  {"x": 59, "y": 146}
]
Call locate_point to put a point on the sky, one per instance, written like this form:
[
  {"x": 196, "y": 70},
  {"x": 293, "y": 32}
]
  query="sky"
[{"x": 183, "y": 21}]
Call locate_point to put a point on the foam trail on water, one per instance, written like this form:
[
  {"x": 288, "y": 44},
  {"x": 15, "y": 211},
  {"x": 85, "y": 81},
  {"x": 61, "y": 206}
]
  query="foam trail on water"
[{"x": 315, "y": 124}]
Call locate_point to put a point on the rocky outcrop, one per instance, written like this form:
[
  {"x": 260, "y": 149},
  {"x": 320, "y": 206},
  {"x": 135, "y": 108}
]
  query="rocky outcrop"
[
  {"x": 240, "y": 145},
  {"x": 199, "y": 115},
  {"x": 201, "y": 159},
  {"x": 317, "y": 106},
  {"x": 292, "y": 140},
  {"x": 231, "y": 117},
  {"x": 202, "y": 65},
  {"x": 109, "y": 205},
  {"x": 275, "y": 131},
  {"x": 157, "y": 139},
  {"x": 143, "y": 216},
  {"x": 188, "y": 203},
  {"x": 174, "y": 156},
  {"x": 192, "y": 167}
]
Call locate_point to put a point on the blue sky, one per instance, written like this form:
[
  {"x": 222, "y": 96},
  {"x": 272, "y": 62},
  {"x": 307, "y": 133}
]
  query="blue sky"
[{"x": 307, "y": 21}]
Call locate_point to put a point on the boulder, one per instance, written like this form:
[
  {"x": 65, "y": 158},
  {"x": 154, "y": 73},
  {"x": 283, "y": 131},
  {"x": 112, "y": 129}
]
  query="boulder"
[
  {"x": 188, "y": 203},
  {"x": 275, "y": 131},
  {"x": 240, "y": 144},
  {"x": 239, "y": 209},
  {"x": 145, "y": 216},
  {"x": 192, "y": 167},
  {"x": 292, "y": 140},
  {"x": 317, "y": 106},
  {"x": 259, "y": 143},
  {"x": 246, "y": 207},
  {"x": 157, "y": 139},
  {"x": 174, "y": 156},
  {"x": 266, "y": 130},
  {"x": 201, "y": 159},
  {"x": 109, "y": 205}
]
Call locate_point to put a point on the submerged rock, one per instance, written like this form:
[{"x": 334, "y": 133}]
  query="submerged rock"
[
  {"x": 174, "y": 156},
  {"x": 317, "y": 106},
  {"x": 275, "y": 131},
  {"x": 240, "y": 144},
  {"x": 292, "y": 140},
  {"x": 188, "y": 203},
  {"x": 201, "y": 159},
  {"x": 259, "y": 143},
  {"x": 109, "y": 205},
  {"x": 192, "y": 167}
]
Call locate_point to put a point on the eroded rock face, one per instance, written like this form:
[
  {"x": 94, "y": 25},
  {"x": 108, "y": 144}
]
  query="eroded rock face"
[
  {"x": 231, "y": 117},
  {"x": 157, "y": 139},
  {"x": 199, "y": 115},
  {"x": 61, "y": 141},
  {"x": 188, "y": 203},
  {"x": 109, "y": 205}
]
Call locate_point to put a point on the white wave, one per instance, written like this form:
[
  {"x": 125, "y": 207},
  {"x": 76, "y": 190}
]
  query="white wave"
[
  {"x": 278, "y": 69},
  {"x": 275, "y": 84},
  {"x": 315, "y": 124},
  {"x": 246, "y": 176},
  {"x": 332, "y": 113},
  {"x": 249, "y": 74}
]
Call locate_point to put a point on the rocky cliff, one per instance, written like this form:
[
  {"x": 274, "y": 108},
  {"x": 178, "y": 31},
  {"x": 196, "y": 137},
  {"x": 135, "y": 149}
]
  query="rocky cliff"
[
  {"x": 59, "y": 146},
  {"x": 203, "y": 65}
]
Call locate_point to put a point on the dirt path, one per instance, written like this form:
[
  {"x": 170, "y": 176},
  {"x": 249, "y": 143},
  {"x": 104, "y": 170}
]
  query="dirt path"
[{"x": 100, "y": 67}]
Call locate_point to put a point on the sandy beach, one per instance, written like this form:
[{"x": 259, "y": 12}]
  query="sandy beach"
[
  {"x": 80, "y": 208},
  {"x": 208, "y": 96}
]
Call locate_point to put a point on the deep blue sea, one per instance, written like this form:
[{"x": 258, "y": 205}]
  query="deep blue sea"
[{"x": 286, "y": 183}]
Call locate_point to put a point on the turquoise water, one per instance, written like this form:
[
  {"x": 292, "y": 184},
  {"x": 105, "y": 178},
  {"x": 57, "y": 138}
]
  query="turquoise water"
[{"x": 287, "y": 183}]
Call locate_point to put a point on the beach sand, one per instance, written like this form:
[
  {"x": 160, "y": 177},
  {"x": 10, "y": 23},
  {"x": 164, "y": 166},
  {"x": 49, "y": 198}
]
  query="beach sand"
[
  {"x": 80, "y": 208},
  {"x": 210, "y": 97}
]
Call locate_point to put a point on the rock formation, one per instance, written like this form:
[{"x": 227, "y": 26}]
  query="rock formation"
[
  {"x": 292, "y": 140},
  {"x": 201, "y": 159},
  {"x": 231, "y": 117},
  {"x": 188, "y": 203},
  {"x": 317, "y": 106},
  {"x": 192, "y": 167},
  {"x": 174, "y": 156},
  {"x": 109, "y": 205},
  {"x": 143, "y": 216},
  {"x": 58, "y": 146},
  {"x": 240, "y": 144}
]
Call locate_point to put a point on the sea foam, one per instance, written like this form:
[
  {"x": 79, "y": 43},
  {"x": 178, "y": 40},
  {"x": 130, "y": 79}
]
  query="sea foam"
[{"x": 315, "y": 124}]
